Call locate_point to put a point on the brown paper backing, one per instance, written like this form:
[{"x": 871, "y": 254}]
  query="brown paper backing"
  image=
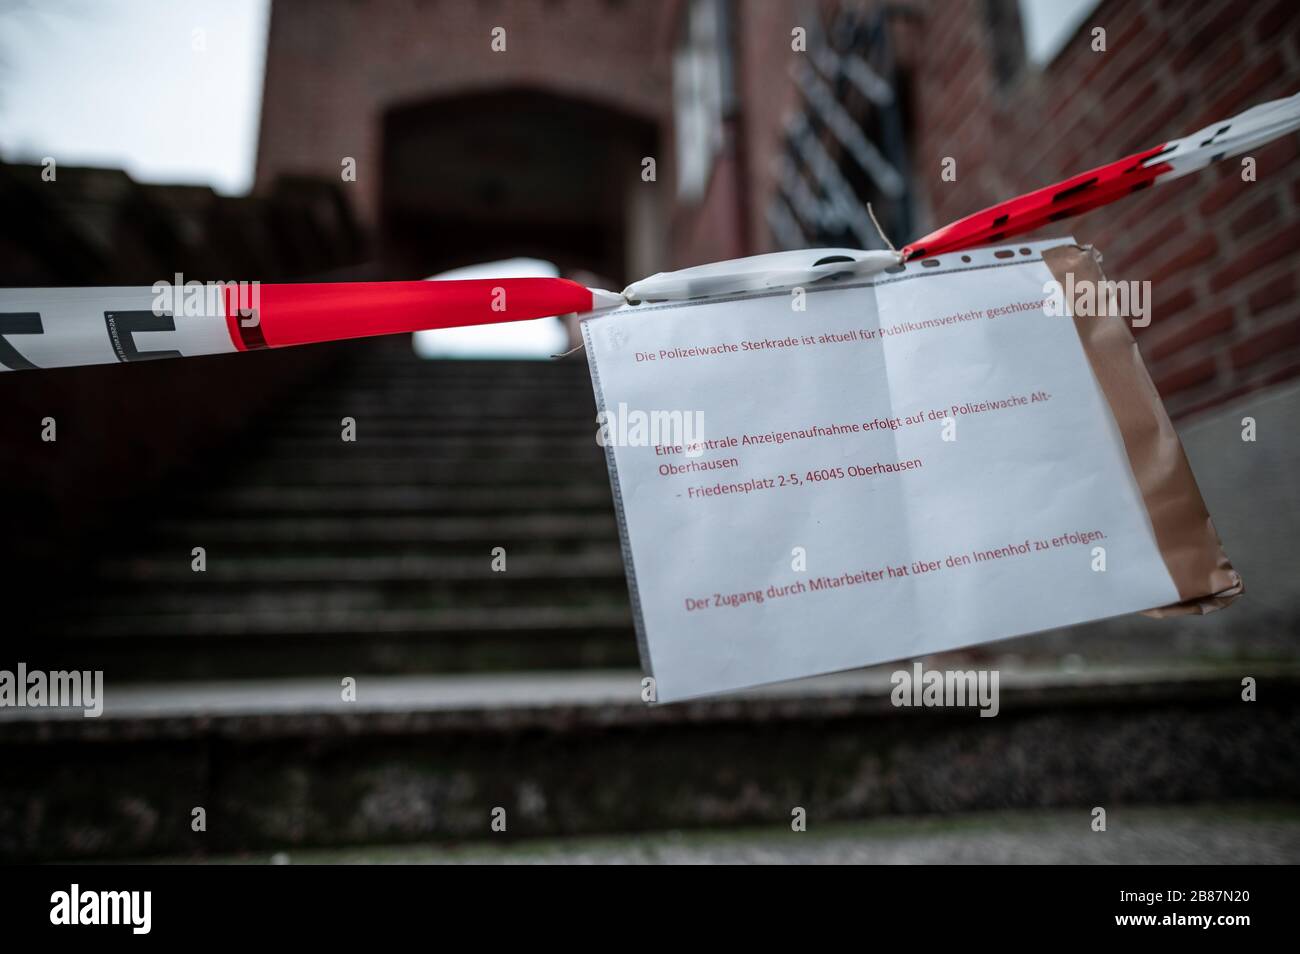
[{"x": 1184, "y": 532}]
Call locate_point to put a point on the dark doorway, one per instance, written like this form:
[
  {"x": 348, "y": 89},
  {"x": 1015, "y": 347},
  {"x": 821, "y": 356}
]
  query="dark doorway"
[{"x": 518, "y": 172}]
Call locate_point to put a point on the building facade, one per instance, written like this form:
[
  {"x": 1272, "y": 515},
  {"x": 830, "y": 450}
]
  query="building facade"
[{"x": 619, "y": 138}]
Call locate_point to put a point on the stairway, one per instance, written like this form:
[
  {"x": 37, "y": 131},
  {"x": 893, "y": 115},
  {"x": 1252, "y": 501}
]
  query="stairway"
[
  {"x": 326, "y": 557},
  {"x": 373, "y": 560}
]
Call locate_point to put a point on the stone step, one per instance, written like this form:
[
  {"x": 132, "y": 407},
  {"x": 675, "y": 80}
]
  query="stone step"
[
  {"x": 433, "y": 404},
  {"x": 259, "y": 643},
  {"x": 1215, "y": 833},
  {"x": 398, "y": 354},
  {"x": 230, "y": 552},
  {"x": 436, "y": 426},
  {"x": 502, "y": 380},
  {"x": 434, "y": 411},
  {"x": 436, "y": 470},
  {"x": 486, "y": 456},
  {"x": 408, "y": 498},
  {"x": 305, "y": 532},
  {"x": 504, "y": 374},
  {"x": 469, "y": 388},
  {"x": 499, "y": 369},
  {"x": 506, "y": 446},
  {"x": 288, "y": 764},
  {"x": 193, "y": 603},
  {"x": 523, "y": 397},
  {"x": 345, "y": 620},
  {"x": 595, "y": 563}
]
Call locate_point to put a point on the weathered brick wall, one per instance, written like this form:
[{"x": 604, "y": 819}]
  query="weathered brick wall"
[
  {"x": 1220, "y": 252},
  {"x": 334, "y": 66}
]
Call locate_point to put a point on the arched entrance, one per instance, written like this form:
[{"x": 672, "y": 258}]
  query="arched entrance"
[{"x": 518, "y": 172}]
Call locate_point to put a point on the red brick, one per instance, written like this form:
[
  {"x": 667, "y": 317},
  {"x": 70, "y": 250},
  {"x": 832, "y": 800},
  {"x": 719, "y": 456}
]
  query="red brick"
[
  {"x": 1274, "y": 19},
  {"x": 1267, "y": 250},
  {"x": 1282, "y": 374},
  {"x": 1188, "y": 254},
  {"x": 1155, "y": 126},
  {"x": 1187, "y": 377},
  {"x": 1134, "y": 104},
  {"x": 1101, "y": 61},
  {"x": 1222, "y": 68},
  {"x": 1272, "y": 158},
  {"x": 1275, "y": 292},
  {"x": 1161, "y": 200},
  {"x": 1266, "y": 343},
  {"x": 1216, "y": 401},
  {"x": 1131, "y": 60},
  {"x": 1262, "y": 213},
  {"x": 1216, "y": 323},
  {"x": 1222, "y": 193},
  {"x": 1145, "y": 241},
  {"x": 1175, "y": 304},
  {"x": 957, "y": 63},
  {"x": 1132, "y": 28},
  {"x": 1246, "y": 87},
  {"x": 1220, "y": 25}
]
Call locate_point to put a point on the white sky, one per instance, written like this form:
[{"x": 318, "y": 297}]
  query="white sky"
[
  {"x": 1049, "y": 24},
  {"x": 169, "y": 90},
  {"x": 539, "y": 338}
]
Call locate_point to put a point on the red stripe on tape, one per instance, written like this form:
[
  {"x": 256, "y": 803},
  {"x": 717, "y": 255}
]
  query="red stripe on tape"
[
  {"x": 296, "y": 314},
  {"x": 1030, "y": 211}
]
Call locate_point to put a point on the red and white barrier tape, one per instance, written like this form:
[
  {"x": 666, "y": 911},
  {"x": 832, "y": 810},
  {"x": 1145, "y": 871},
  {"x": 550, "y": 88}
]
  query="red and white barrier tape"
[
  {"x": 1105, "y": 184},
  {"x": 65, "y": 327}
]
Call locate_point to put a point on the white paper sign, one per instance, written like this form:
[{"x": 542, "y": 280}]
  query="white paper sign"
[{"x": 912, "y": 464}]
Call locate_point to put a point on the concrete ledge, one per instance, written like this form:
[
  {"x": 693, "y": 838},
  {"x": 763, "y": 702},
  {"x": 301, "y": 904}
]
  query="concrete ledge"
[
  {"x": 280, "y": 765},
  {"x": 1232, "y": 833},
  {"x": 596, "y": 698}
]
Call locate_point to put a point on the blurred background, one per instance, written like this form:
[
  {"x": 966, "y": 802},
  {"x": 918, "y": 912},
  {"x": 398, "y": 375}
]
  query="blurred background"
[{"x": 609, "y": 139}]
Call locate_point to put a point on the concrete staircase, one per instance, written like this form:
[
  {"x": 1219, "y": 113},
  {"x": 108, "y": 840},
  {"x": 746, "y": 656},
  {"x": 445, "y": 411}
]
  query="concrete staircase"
[
  {"x": 287, "y": 764},
  {"x": 477, "y": 689},
  {"x": 329, "y": 557}
]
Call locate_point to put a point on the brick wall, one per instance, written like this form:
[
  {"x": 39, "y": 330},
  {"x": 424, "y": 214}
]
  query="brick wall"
[
  {"x": 334, "y": 66},
  {"x": 1220, "y": 252}
]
